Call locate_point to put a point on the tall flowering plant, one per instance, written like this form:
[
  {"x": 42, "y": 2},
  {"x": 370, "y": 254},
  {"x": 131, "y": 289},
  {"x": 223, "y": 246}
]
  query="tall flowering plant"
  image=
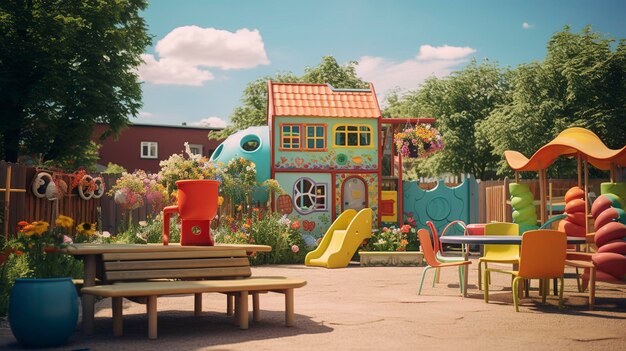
[
  {"x": 129, "y": 190},
  {"x": 418, "y": 142},
  {"x": 191, "y": 166},
  {"x": 39, "y": 243}
]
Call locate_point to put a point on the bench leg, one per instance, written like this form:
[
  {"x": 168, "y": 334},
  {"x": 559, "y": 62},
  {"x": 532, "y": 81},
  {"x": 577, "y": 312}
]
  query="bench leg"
[
  {"x": 197, "y": 304},
  {"x": 242, "y": 309},
  {"x": 256, "y": 310},
  {"x": 230, "y": 298},
  {"x": 152, "y": 317},
  {"x": 88, "y": 301},
  {"x": 118, "y": 321},
  {"x": 289, "y": 315}
]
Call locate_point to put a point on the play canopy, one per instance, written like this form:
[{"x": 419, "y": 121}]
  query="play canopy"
[{"x": 570, "y": 142}]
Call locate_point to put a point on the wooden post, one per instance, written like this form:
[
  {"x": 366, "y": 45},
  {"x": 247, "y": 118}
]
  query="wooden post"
[
  {"x": 580, "y": 173},
  {"x": 586, "y": 171},
  {"x": 7, "y": 200},
  {"x": 542, "y": 195}
]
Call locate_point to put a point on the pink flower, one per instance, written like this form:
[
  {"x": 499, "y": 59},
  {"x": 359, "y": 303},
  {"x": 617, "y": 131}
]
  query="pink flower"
[
  {"x": 295, "y": 248},
  {"x": 405, "y": 228},
  {"x": 67, "y": 239}
]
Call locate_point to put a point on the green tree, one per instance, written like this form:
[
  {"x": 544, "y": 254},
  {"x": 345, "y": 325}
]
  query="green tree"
[
  {"x": 64, "y": 66},
  {"x": 581, "y": 82},
  {"x": 459, "y": 102},
  {"x": 253, "y": 111}
]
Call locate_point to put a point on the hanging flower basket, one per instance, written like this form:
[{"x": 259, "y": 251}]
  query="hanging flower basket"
[{"x": 420, "y": 141}]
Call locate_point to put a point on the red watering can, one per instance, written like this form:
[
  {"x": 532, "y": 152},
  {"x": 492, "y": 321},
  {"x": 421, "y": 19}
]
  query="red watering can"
[{"x": 197, "y": 206}]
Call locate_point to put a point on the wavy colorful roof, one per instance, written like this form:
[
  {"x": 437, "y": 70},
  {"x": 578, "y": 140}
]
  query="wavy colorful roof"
[
  {"x": 569, "y": 143},
  {"x": 321, "y": 100}
]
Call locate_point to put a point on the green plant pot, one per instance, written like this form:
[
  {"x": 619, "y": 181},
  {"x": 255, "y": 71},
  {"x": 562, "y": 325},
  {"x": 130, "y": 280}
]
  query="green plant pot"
[{"x": 43, "y": 312}]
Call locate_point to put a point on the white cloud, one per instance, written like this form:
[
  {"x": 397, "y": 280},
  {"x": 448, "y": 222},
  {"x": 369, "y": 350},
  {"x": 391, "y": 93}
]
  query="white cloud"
[
  {"x": 213, "y": 122},
  {"x": 407, "y": 75},
  {"x": 145, "y": 114},
  {"x": 185, "y": 53},
  {"x": 527, "y": 25},
  {"x": 172, "y": 72},
  {"x": 445, "y": 52}
]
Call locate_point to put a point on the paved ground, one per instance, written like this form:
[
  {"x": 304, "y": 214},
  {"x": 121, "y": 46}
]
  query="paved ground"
[{"x": 359, "y": 308}]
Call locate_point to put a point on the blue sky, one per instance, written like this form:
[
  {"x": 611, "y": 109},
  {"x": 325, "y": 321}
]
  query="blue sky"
[{"x": 204, "y": 53}]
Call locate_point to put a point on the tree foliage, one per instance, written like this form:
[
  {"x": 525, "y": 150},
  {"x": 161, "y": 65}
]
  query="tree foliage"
[
  {"x": 64, "y": 66},
  {"x": 459, "y": 102},
  {"x": 581, "y": 82},
  {"x": 483, "y": 110},
  {"x": 253, "y": 111}
]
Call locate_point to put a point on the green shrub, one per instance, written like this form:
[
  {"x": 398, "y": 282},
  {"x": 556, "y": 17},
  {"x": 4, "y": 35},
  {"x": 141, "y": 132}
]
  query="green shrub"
[{"x": 281, "y": 233}]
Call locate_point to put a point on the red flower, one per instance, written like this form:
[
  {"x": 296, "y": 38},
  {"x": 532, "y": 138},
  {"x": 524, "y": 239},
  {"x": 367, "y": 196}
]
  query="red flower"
[{"x": 295, "y": 225}]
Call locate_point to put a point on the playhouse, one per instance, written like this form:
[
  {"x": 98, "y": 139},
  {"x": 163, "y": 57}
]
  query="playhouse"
[{"x": 329, "y": 149}]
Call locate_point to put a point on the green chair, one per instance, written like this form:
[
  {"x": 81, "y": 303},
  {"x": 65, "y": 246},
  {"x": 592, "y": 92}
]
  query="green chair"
[{"x": 431, "y": 261}]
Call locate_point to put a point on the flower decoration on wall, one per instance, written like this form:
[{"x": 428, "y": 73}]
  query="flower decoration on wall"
[{"x": 420, "y": 141}]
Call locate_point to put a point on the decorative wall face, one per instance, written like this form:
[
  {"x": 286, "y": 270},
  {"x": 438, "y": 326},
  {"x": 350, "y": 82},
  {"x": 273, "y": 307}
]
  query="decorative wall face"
[
  {"x": 313, "y": 221},
  {"x": 294, "y": 154}
]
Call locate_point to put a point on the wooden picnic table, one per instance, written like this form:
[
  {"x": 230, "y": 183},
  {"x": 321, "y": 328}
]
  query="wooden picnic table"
[{"x": 91, "y": 254}]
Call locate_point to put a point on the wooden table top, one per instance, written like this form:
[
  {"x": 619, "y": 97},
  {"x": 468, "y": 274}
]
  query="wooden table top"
[{"x": 91, "y": 248}]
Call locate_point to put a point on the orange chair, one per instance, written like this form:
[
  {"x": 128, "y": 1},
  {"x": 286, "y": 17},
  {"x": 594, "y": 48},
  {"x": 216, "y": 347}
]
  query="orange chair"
[
  {"x": 499, "y": 253},
  {"x": 431, "y": 261},
  {"x": 542, "y": 257},
  {"x": 439, "y": 254}
]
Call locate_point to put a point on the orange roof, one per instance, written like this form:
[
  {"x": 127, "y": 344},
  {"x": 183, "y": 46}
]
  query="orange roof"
[
  {"x": 569, "y": 142},
  {"x": 321, "y": 100}
]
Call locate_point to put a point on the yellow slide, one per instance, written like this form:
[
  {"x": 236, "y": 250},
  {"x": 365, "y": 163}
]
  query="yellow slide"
[{"x": 342, "y": 239}]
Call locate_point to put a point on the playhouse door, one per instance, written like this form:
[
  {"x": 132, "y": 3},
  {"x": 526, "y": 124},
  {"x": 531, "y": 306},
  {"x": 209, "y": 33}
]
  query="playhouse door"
[{"x": 354, "y": 194}]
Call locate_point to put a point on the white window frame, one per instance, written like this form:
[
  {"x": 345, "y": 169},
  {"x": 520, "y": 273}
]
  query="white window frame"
[
  {"x": 319, "y": 202},
  {"x": 149, "y": 145},
  {"x": 199, "y": 146}
]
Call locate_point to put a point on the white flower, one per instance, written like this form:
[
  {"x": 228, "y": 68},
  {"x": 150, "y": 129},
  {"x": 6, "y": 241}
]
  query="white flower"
[{"x": 106, "y": 234}]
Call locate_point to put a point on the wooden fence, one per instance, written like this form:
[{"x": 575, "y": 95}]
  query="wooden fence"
[{"x": 18, "y": 202}]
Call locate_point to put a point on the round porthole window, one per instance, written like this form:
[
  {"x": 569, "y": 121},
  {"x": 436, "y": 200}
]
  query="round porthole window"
[
  {"x": 217, "y": 152},
  {"x": 250, "y": 143}
]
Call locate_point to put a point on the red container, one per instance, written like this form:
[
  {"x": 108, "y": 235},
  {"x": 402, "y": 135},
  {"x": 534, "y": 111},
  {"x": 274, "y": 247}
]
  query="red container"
[
  {"x": 476, "y": 229},
  {"x": 197, "y": 206}
]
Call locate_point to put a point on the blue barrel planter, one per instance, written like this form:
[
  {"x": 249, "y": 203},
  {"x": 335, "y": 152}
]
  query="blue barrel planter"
[{"x": 43, "y": 312}]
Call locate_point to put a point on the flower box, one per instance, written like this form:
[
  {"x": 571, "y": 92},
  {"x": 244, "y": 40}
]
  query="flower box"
[{"x": 391, "y": 258}]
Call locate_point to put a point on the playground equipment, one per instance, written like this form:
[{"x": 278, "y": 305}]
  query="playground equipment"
[
  {"x": 197, "y": 206},
  {"x": 610, "y": 237},
  {"x": 523, "y": 207},
  {"x": 342, "y": 239},
  {"x": 574, "y": 224}
]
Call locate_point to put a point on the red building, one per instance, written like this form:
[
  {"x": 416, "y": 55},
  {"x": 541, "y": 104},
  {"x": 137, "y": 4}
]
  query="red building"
[{"x": 143, "y": 146}]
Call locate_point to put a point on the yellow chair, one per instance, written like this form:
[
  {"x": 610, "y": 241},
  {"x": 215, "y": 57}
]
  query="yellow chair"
[
  {"x": 432, "y": 262},
  {"x": 542, "y": 257},
  {"x": 499, "y": 253}
]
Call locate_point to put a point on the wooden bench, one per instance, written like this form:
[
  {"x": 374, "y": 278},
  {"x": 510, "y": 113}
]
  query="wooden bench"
[{"x": 149, "y": 275}]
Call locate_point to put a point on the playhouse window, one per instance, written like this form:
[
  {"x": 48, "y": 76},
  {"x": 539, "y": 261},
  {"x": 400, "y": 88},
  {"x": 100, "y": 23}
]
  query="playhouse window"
[
  {"x": 315, "y": 137},
  {"x": 290, "y": 136},
  {"x": 309, "y": 196},
  {"x": 353, "y": 135}
]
